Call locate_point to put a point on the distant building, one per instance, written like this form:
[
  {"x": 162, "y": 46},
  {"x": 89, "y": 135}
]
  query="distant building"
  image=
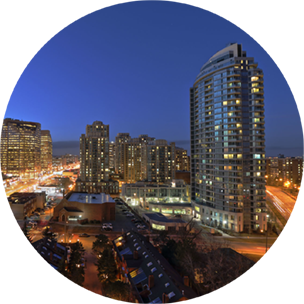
[
  {"x": 46, "y": 151},
  {"x": 21, "y": 148},
  {"x": 24, "y": 203},
  {"x": 285, "y": 168},
  {"x": 181, "y": 160},
  {"x": 184, "y": 175},
  {"x": 112, "y": 156},
  {"x": 94, "y": 153},
  {"x": 77, "y": 206},
  {"x": 94, "y": 161},
  {"x": 119, "y": 156},
  {"x": 158, "y": 161}
]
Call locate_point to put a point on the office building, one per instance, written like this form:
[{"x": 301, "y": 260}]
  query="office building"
[
  {"x": 46, "y": 151},
  {"x": 21, "y": 148},
  {"x": 228, "y": 142}
]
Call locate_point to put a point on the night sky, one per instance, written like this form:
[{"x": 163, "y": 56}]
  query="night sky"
[{"x": 131, "y": 66}]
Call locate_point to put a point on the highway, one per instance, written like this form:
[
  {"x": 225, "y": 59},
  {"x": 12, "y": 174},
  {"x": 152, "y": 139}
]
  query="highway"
[{"x": 283, "y": 202}]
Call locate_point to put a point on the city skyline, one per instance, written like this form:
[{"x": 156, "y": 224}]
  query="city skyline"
[{"x": 85, "y": 65}]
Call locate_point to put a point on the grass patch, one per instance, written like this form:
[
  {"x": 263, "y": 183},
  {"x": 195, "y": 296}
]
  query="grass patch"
[
  {"x": 291, "y": 231},
  {"x": 283, "y": 242}
]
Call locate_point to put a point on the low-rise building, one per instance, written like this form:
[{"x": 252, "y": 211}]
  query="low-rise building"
[
  {"x": 24, "y": 203},
  {"x": 78, "y": 206},
  {"x": 153, "y": 279},
  {"x": 144, "y": 193},
  {"x": 159, "y": 221}
]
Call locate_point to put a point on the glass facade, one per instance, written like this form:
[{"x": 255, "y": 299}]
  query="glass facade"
[
  {"x": 228, "y": 137},
  {"x": 21, "y": 148}
]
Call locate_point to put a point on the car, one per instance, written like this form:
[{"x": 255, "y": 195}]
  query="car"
[
  {"x": 84, "y": 235},
  {"x": 129, "y": 215},
  {"x": 140, "y": 226}
]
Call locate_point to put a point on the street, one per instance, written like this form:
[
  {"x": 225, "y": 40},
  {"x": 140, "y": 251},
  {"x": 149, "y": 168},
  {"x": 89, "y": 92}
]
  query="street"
[{"x": 283, "y": 202}]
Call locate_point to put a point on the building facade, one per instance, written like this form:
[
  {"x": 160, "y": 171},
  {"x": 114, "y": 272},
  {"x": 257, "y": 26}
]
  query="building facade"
[
  {"x": 181, "y": 160},
  {"x": 21, "y": 148},
  {"x": 158, "y": 161},
  {"x": 119, "y": 157},
  {"x": 46, "y": 151},
  {"x": 94, "y": 153},
  {"x": 228, "y": 142}
]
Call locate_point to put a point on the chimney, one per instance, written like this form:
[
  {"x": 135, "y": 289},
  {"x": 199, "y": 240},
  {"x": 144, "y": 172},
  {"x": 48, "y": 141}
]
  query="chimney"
[
  {"x": 135, "y": 255},
  {"x": 51, "y": 256},
  {"x": 38, "y": 281},
  {"x": 159, "y": 249},
  {"x": 151, "y": 281},
  {"x": 55, "y": 246},
  {"x": 186, "y": 281},
  {"x": 125, "y": 237},
  {"x": 165, "y": 298}
]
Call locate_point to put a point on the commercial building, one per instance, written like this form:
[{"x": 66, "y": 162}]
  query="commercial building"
[
  {"x": 152, "y": 278},
  {"x": 79, "y": 206},
  {"x": 46, "y": 151},
  {"x": 21, "y": 148},
  {"x": 181, "y": 160},
  {"x": 228, "y": 142},
  {"x": 145, "y": 193},
  {"x": 24, "y": 203}
]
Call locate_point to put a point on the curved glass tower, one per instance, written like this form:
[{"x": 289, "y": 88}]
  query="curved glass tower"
[{"x": 228, "y": 142}]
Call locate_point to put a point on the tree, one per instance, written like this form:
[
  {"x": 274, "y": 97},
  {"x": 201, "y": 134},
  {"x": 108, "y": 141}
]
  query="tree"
[
  {"x": 26, "y": 233},
  {"x": 61, "y": 293},
  {"x": 106, "y": 267},
  {"x": 102, "y": 241},
  {"x": 75, "y": 268},
  {"x": 118, "y": 291}
]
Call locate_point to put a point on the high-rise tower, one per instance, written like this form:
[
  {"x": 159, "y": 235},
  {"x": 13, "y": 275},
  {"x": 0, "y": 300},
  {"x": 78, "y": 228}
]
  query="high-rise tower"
[
  {"x": 228, "y": 142},
  {"x": 94, "y": 153}
]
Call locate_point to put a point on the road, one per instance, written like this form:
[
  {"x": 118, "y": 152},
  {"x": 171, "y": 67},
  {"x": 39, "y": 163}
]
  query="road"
[{"x": 283, "y": 202}]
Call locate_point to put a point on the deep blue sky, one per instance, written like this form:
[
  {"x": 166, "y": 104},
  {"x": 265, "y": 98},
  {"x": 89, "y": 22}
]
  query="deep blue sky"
[{"x": 131, "y": 66}]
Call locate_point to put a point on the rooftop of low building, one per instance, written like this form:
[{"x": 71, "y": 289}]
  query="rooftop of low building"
[{"x": 90, "y": 198}]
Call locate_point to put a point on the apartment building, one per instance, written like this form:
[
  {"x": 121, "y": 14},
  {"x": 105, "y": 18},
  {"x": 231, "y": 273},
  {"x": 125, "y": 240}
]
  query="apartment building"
[{"x": 228, "y": 142}]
